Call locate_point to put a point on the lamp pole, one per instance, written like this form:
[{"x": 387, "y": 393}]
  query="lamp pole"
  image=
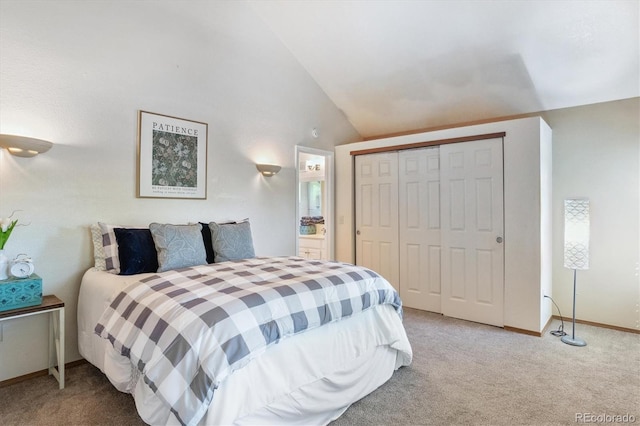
[{"x": 573, "y": 340}]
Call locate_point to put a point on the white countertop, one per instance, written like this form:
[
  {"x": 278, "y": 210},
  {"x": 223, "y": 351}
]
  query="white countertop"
[{"x": 313, "y": 236}]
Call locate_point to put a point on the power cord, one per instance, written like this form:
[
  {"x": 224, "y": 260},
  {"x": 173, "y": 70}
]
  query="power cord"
[{"x": 560, "y": 331}]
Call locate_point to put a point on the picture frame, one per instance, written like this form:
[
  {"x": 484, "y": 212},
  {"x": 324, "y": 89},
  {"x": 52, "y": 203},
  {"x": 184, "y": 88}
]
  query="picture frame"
[{"x": 172, "y": 157}]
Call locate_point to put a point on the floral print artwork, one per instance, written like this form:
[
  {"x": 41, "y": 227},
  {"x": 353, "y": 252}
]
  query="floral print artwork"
[{"x": 174, "y": 160}]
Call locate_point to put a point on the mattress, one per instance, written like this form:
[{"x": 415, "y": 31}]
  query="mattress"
[{"x": 310, "y": 378}]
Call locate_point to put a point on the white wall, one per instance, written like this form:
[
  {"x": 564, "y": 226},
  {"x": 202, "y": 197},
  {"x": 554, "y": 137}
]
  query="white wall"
[
  {"x": 527, "y": 152},
  {"x": 596, "y": 154},
  {"x": 76, "y": 73}
]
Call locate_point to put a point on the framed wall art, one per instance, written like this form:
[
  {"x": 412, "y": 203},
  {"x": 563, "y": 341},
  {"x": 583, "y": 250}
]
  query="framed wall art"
[{"x": 172, "y": 157}]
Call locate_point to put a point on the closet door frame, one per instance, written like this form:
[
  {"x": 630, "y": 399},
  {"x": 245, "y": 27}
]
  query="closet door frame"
[{"x": 397, "y": 148}]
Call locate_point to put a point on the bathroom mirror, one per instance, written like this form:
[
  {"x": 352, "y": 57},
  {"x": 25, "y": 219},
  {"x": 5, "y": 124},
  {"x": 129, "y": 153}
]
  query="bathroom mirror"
[{"x": 311, "y": 195}]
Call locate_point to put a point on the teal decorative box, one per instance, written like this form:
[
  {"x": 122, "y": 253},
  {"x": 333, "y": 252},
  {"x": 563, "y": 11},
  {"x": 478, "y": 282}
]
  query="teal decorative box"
[
  {"x": 20, "y": 292},
  {"x": 307, "y": 229}
]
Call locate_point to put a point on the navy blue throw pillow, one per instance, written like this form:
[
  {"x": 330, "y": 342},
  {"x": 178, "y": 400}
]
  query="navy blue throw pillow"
[{"x": 136, "y": 250}]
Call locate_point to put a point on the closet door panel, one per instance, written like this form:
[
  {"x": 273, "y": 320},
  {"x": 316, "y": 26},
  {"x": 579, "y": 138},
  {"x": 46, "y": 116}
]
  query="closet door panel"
[
  {"x": 484, "y": 271},
  {"x": 366, "y": 205},
  {"x": 455, "y": 286},
  {"x": 419, "y": 228},
  {"x": 412, "y": 264},
  {"x": 456, "y": 205},
  {"x": 435, "y": 274},
  {"x": 387, "y": 209},
  {"x": 472, "y": 231},
  {"x": 376, "y": 180},
  {"x": 433, "y": 196}
]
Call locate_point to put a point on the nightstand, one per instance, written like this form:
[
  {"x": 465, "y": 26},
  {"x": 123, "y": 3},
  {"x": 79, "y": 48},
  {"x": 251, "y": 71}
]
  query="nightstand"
[{"x": 55, "y": 307}]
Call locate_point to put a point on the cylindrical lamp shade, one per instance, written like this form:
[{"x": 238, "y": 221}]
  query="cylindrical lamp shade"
[{"x": 576, "y": 233}]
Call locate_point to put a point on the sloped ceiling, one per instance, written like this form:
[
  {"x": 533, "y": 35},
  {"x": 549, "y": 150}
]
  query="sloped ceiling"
[{"x": 395, "y": 66}]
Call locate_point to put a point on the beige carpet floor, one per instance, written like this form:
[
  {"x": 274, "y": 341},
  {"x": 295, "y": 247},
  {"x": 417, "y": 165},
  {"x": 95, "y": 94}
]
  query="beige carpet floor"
[{"x": 463, "y": 373}]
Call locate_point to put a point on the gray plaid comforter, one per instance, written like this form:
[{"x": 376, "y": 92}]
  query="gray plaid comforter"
[{"x": 188, "y": 329}]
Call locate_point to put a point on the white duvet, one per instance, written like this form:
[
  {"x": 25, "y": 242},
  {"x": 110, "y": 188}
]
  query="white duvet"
[{"x": 311, "y": 378}]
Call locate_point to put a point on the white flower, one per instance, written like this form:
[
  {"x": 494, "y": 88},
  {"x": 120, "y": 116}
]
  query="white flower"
[
  {"x": 6, "y": 227},
  {"x": 5, "y": 223}
]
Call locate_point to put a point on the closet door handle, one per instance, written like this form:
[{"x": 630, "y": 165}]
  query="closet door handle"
[
  {"x": 499, "y": 240},
  {"x": 358, "y": 232}
]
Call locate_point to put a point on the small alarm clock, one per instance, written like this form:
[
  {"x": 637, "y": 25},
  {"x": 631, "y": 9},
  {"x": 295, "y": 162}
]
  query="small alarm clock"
[{"x": 21, "y": 266}]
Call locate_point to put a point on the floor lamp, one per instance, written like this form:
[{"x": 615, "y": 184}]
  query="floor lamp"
[{"x": 576, "y": 250}]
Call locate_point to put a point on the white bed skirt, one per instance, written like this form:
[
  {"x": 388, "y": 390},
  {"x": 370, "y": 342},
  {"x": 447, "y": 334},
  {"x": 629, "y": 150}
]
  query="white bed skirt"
[{"x": 310, "y": 378}]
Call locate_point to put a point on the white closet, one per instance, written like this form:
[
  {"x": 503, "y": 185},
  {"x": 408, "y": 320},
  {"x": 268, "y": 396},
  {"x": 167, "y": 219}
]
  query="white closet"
[
  {"x": 430, "y": 220},
  {"x": 527, "y": 213}
]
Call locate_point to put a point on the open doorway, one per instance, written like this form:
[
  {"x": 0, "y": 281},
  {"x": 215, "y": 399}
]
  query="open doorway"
[{"x": 314, "y": 203}]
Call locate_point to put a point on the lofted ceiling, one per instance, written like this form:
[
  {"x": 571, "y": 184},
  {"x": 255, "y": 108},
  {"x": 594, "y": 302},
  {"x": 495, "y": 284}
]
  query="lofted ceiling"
[{"x": 395, "y": 66}]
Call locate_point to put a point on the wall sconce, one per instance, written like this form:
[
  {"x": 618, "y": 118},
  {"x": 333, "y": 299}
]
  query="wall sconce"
[
  {"x": 268, "y": 169},
  {"x": 576, "y": 249},
  {"x": 22, "y": 146}
]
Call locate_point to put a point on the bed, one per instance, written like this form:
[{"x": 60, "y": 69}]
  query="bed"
[{"x": 307, "y": 375}]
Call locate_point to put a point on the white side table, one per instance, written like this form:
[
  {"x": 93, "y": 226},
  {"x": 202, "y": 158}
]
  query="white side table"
[{"x": 55, "y": 307}]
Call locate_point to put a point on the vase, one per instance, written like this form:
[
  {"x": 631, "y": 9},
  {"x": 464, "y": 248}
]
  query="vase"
[{"x": 4, "y": 262}]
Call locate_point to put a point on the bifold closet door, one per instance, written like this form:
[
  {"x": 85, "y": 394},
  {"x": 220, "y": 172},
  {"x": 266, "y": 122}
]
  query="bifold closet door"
[
  {"x": 471, "y": 178},
  {"x": 419, "y": 228},
  {"x": 376, "y": 180}
]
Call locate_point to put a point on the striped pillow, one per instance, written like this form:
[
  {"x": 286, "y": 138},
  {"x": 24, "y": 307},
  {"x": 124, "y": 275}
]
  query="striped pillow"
[{"x": 110, "y": 247}]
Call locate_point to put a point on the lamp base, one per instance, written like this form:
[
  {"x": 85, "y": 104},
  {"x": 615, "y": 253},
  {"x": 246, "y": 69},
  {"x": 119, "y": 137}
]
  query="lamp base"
[{"x": 573, "y": 341}]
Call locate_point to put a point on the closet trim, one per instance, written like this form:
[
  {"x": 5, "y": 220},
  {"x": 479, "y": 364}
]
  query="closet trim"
[{"x": 416, "y": 145}]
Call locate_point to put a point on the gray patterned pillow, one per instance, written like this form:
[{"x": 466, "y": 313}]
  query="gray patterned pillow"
[
  {"x": 178, "y": 246},
  {"x": 232, "y": 241}
]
